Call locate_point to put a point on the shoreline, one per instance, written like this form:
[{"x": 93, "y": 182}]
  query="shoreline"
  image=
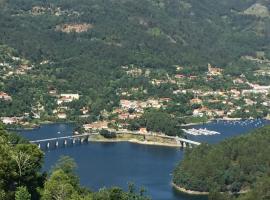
[
  {"x": 197, "y": 193},
  {"x": 134, "y": 141},
  {"x": 221, "y": 119},
  {"x": 189, "y": 192},
  {"x": 37, "y": 125}
]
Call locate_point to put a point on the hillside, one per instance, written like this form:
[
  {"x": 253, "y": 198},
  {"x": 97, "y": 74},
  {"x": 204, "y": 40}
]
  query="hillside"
[
  {"x": 144, "y": 50},
  {"x": 235, "y": 165},
  {"x": 156, "y": 33}
]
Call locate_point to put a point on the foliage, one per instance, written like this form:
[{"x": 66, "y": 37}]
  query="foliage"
[
  {"x": 149, "y": 34},
  {"x": 22, "y": 194},
  {"x": 261, "y": 190},
  {"x": 157, "y": 121},
  {"x": 61, "y": 186},
  {"x": 20, "y": 166},
  {"x": 233, "y": 165},
  {"x": 107, "y": 134},
  {"x": 20, "y": 177}
]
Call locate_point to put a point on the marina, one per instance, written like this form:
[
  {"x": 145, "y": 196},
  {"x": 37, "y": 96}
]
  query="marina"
[{"x": 200, "y": 131}]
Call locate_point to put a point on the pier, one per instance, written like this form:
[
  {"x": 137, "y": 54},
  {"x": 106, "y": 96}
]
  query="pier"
[{"x": 200, "y": 131}]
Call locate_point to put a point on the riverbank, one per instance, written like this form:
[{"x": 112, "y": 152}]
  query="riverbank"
[
  {"x": 137, "y": 139},
  {"x": 33, "y": 126},
  {"x": 190, "y": 192}
]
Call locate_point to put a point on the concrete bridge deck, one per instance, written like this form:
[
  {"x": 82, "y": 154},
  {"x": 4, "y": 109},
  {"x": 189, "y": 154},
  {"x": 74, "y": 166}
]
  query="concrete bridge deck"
[{"x": 60, "y": 138}]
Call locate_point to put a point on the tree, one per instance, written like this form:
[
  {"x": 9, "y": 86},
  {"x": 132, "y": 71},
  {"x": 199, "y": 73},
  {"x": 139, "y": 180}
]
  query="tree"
[
  {"x": 215, "y": 195},
  {"x": 260, "y": 191},
  {"x": 2, "y": 194},
  {"x": 58, "y": 187},
  {"x": 22, "y": 194},
  {"x": 68, "y": 166}
]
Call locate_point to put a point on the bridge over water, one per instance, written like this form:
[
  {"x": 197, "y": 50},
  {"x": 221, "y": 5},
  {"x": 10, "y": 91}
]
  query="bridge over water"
[
  {"x": 74, "y": 139},
  {"x": 56, "y": 140}
]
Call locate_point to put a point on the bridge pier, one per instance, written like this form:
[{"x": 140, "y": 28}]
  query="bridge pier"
[
  {"x": 184, "y": 145},
  {"x": 48, "y": 145},
  {"x": 81, "y": 140},
  {"x": 73, "y": 141},
  {"x": 56, "y": 143},
  {"x": 65, "y": 142},
  {"x": 39, "y": 146},
  {"x": 180, "y": 144}
]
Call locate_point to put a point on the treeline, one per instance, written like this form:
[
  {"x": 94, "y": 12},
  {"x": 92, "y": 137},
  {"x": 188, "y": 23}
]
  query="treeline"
[
  {"x": 237, "y": 165},
  {"x": 21, "y": 177}
]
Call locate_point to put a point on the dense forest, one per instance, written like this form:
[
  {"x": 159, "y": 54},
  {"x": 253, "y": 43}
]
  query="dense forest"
[
  {"x": 237, "y": 165},
  {"x": 21, "y": 176},
  {"x": 147, "y": 33}
]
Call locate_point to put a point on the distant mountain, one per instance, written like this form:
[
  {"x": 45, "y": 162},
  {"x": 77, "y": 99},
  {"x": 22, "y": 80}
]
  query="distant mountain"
[{"x": 154, "y": 33}]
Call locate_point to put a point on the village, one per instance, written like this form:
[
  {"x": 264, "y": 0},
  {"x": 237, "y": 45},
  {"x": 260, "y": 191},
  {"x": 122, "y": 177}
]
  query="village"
[{"x": 240, "y": 100}]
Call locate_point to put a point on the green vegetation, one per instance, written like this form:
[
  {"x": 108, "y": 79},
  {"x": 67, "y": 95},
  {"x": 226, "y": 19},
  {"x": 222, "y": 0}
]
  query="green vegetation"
[
  {"x": 149, "y": 34},
  {"x": 21, "y": 163},
  {"x": 157, "y": 121},
  {"x": 21, "y": 177},
  {"x": 113, "y": 50},
  {"x": 236, "y": 165}
]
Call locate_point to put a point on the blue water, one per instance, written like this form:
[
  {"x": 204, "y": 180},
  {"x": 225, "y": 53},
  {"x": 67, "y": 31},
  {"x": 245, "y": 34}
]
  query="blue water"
[
  {"x": 117, "y": 164},
  {"x": 227, "y": 129}
]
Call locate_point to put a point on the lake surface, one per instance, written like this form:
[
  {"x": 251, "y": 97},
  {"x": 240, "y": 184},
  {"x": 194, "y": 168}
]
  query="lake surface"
[
  {"x": 228, "y": 129},
  {"x": 117, "y": 164}
]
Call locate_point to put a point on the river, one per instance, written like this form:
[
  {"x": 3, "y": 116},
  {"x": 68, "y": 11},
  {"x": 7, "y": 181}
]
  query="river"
[{"x": 117, "y": 164}]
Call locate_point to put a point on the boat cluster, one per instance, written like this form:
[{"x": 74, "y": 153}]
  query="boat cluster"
[
  {"x": 200, "y": 131},
  {"x": 250, "y": 122}
]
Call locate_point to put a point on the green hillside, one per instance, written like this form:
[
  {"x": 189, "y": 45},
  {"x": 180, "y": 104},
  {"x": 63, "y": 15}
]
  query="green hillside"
[
  {"x": 235, "y": 165},
  {"x": 155, "y": 33},
  {"x": 83, "y": 46}
]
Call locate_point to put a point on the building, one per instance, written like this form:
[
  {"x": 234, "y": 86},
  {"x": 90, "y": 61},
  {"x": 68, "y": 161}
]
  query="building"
[
  {"x": 62, "y": 115},
  {"x": 143, "y": 130},
  {"x": 214, "y": 71},
  {"x": 71, "y": 96},
  {"x": 99, "y": 125},
  {"x": 196, "y": 101},
  {"x": 67, "y": 98},
  {"x": 179, "y": 76},
  {"x": 9, "y": 120},
  {"x": 4, "y": 96}
]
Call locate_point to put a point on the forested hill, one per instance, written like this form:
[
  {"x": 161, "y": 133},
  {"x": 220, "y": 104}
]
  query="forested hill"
[
  {"x": 86, "y": 46},
  {"x": 154, "y": 33},
  {"x": 235, "y": 165}
]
